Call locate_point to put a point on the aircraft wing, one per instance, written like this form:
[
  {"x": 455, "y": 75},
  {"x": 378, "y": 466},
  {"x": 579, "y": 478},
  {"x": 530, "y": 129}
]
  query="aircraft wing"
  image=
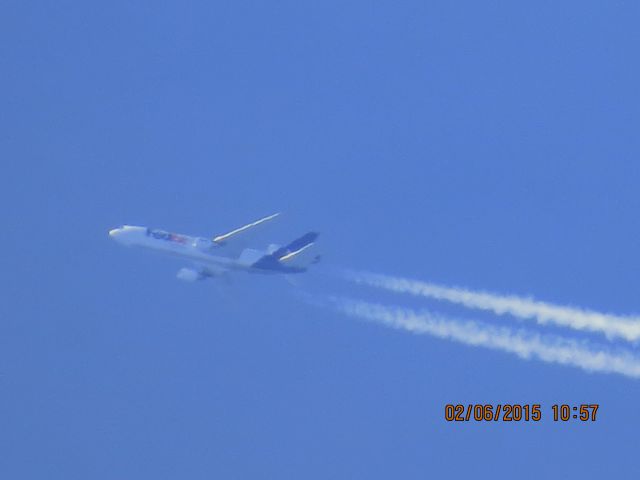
[{"x": 238, "y": 232}]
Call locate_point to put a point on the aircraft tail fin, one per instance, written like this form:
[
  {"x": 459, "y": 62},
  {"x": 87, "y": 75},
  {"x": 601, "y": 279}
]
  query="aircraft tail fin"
[
  {"x": 294, "y": 257},
  {"x": 299, "y": 253}
]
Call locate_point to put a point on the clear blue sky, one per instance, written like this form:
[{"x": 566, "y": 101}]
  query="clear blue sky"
[{"x": 487, "y": 144}]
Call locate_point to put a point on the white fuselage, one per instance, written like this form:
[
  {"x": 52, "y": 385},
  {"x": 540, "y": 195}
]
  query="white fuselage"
[
  {"x": 222, "y": 253},
  {"x": 196, "y": 249}
]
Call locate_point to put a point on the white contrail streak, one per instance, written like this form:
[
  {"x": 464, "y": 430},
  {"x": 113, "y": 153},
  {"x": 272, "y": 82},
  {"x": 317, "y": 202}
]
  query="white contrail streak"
[
  {"x": 613, "y": 326},
  {"x": 524, "y": 344}
]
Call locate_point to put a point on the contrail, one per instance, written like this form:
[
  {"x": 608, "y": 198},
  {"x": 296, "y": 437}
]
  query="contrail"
[
  {"x": 526, "y": 345},
  {"x": 613, "y": 326}
]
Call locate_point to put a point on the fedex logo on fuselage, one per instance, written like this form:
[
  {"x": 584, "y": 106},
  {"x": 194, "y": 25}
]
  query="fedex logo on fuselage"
[{"x": 168, "y": 236}]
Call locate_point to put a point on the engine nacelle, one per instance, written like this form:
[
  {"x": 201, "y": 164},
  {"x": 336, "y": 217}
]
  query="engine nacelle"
[{"x": 189, "y": 275}]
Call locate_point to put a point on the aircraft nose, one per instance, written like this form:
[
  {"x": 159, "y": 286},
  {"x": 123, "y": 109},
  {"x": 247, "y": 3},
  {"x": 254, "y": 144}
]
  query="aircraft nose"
[{"x": 113, "y": 232}]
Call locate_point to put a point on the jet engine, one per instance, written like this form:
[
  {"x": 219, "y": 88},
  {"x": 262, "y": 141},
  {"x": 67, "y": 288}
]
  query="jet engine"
[{"x": 189, "y": 275}]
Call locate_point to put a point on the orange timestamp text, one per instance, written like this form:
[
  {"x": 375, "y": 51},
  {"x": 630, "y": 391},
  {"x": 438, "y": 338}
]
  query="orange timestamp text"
[{"x": 515, "y": 412}]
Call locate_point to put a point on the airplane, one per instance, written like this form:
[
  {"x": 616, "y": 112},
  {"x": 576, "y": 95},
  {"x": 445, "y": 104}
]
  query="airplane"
[{"x": 223, "y": 253}]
